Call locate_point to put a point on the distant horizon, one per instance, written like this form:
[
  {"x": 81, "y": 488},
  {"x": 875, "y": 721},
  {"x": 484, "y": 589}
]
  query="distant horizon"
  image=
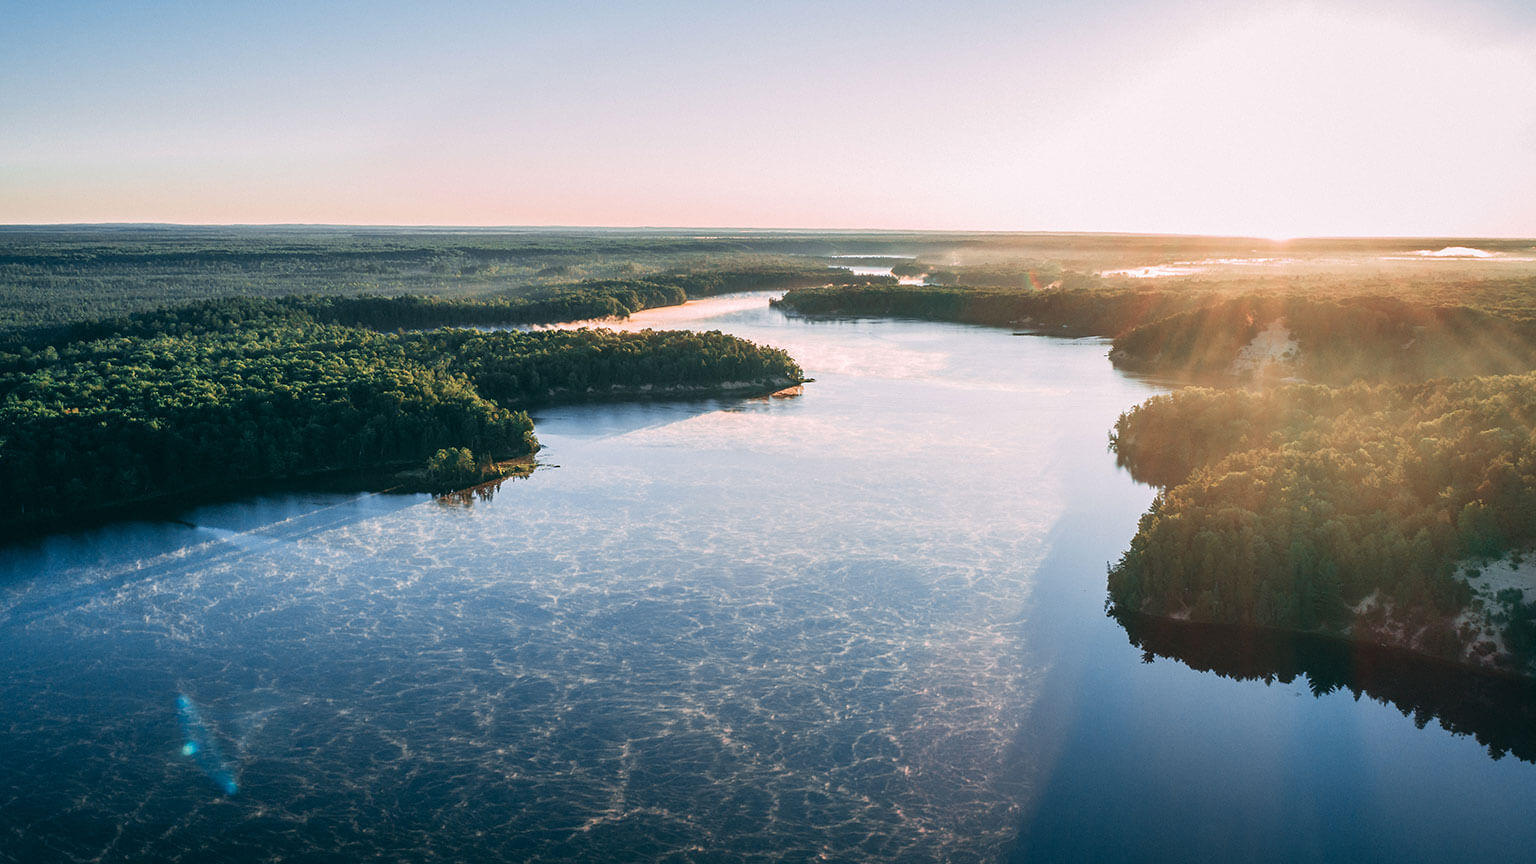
[{"x": 766, "y": 230}]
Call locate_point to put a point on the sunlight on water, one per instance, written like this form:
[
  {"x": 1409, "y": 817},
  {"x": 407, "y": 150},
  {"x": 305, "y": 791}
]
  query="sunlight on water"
[
  {"x": 1461, "y": 254},
  {"x": 858, "y": 270}
]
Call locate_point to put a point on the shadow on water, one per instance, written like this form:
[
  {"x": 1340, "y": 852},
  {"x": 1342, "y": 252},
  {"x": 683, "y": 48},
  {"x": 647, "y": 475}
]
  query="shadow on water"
[
  {"x": 93, "y": 562},
  {"x": 1498, "y": 711},
  {"x": 594, "y": 421}
]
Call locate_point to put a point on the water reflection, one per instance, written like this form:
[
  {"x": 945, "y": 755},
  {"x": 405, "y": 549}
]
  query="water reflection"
[
  {"x": 465, "y": 498},
  {"x": 1498, "y": 711}
]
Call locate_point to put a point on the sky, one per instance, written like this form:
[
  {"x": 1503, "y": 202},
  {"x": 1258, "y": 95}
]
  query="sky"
[{"x": 1258, "y": 118}]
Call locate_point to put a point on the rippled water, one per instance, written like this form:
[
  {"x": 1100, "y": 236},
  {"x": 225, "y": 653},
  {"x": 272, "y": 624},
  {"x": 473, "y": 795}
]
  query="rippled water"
[{"x": 861, "y": 624}]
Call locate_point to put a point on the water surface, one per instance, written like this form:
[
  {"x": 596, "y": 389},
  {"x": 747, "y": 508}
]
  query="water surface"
[{"x": 861, "y": 624}]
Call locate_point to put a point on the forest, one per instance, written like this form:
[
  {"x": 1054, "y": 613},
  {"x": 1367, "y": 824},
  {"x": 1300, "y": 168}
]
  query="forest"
[
  {"x": 1374, "y": 338},
  {"x": 522, "y": 304},
  {"x": 1312, "y": 507},
  {"x": 204, "y": 398},
  {"x": 52, "y": 275}
]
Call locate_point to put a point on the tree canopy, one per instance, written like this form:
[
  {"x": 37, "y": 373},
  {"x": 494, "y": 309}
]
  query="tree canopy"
[{"x": 220, "y": 393}]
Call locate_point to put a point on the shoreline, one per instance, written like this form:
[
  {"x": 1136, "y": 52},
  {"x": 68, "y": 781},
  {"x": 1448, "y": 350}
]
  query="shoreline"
[
  {"x": 406, "y": 477},
  {"x": 667, "y": 393}
]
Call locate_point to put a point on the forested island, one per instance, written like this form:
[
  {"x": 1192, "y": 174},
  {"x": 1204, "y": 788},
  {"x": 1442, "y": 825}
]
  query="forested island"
[
  {"x": 1362, "y": 457},
  {"x": 206, "y": 398}
]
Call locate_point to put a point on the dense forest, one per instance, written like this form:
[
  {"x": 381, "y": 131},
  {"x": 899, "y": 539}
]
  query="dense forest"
[
  {"x": 1312, "y": 507},
  {"x": 144, "y": 362},
  {"x": 54, "y": 275},
  {"x": 206, "y": 397}
]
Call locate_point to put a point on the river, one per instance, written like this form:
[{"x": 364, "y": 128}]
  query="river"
[{"x": 865, "y": 623}]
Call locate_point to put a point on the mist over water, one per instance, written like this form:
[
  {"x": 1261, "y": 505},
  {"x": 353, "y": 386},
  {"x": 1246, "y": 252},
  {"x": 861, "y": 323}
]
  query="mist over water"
[{"x": 864, "y": 623}]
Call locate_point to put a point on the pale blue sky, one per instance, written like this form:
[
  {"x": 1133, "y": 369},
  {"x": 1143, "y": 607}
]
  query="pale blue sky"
[{"x": 1271, "y": 118}]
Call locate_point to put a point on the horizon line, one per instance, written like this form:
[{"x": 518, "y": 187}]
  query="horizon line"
[{"x": 773, "y": 230}]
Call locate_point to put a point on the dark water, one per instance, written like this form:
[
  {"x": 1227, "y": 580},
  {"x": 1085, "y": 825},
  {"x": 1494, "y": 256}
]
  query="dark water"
[{"x": 863, "y": 624}]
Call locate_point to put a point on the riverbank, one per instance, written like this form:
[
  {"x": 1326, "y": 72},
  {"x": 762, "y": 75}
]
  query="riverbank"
[
  {"x": 1307, "y": 508},
  {"x": 671, "y": 392},
  {"x": 1074, "y": 310}
]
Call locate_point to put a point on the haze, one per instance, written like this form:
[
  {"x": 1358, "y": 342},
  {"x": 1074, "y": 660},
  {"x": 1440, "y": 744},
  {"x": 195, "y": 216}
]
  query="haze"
[{"x": 1264, "y": 119}]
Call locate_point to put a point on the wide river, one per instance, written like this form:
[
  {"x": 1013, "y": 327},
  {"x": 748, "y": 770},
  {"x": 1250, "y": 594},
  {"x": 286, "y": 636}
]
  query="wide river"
[{"x": 866, "y": 623}]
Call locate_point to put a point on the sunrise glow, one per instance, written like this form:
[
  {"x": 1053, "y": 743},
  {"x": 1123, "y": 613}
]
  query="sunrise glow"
[{"x": 1270, "y": 120}]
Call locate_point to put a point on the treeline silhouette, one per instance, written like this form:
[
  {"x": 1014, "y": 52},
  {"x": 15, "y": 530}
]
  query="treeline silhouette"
[{"x": 208, "y": 397}]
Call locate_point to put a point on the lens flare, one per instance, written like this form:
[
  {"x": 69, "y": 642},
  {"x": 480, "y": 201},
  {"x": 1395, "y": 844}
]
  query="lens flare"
[{"x": 201, "y": 746}]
